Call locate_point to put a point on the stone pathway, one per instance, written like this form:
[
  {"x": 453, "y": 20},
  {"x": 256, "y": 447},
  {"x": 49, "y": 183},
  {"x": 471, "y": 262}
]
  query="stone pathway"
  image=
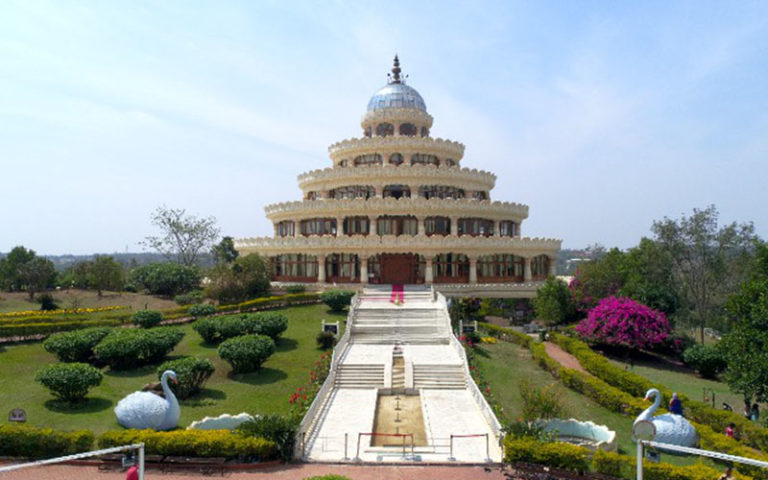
[
  {"x": 564, "y": 358},
  {"x": 283, "y": 472}
]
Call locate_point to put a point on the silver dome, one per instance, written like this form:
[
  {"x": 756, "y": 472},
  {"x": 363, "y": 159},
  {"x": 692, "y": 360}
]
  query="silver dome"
[{"x": 396, "y": 95}]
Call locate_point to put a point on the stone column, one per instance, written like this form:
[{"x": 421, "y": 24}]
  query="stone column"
[
  {"x": 552, "y": 266},
  {"x": 472, "y": 269},
  {"x": 276, "y": 233},
  {"x": 321, "y": 269},
  {"x": 497, "y": 228},
  {"x": 414, "y": 190},
  {"x": 420, "y": 227},
  {"x": 527, "y": 270},
  {"x": 428, "y": 275},
  {"x": 372, "y": 226},
  {"x": 339, "y": 226},
  {"x": 363, "y": 269},
  {"x": 454, "y": 226}
]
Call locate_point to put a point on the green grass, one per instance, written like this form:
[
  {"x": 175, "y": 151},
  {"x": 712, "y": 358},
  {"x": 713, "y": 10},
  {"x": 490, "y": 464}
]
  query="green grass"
[
  {"x": 505, "y": 364},
  {"x": 75, "y": 298},
  {"x": 265, "y": 391}
]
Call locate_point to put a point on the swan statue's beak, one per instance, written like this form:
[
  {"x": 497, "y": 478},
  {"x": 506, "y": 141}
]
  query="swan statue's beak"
[
  {"x": 173, "y": 379},
  {"x": 647, "y": 398}
]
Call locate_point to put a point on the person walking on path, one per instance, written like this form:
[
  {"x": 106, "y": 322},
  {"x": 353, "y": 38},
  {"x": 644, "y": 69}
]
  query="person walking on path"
[{"x": 675, "y": 405}]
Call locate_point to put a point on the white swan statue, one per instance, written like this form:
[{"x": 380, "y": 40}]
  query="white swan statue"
[
  {"x": 669, "y": 428},
  {"x": 146, "y": 410}
]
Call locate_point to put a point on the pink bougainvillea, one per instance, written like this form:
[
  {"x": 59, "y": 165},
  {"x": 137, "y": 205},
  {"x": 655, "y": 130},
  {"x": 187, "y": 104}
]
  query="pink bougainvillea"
[{"x": 623, "y": 321}]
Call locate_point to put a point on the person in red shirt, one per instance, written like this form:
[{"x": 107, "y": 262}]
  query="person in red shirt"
[
  {"x": 132, "y": 473},
  {"x": 730, "y": 430}
]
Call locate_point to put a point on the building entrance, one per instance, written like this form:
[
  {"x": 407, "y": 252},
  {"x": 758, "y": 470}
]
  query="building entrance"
[{"x": 399, "y": 268}]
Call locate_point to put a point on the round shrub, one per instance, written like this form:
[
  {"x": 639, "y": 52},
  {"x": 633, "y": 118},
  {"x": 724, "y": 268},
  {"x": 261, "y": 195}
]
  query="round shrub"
[
  {"x": 325, "y": 340},
  {"x": 707, "y": 360},
  {"x": 279, "y": 429},
  {"x": 75, "y": 346},
  {"x": 217, "y": 329},
  {"x": 147, "y": 318},
  {"x": 47, "y": 302},
  {"x": 191, "y": 373},
  {"x": 337, "y": 300},
  {"x": 128, "y": 348},
  {"x": 625, "y": 322},
  {"x": 272, "y": 324},
  {"x": 201, "y": 310},
  {"x": 195, "y": 296},
  {"x": 69, "y": 381},
  {"x": 247, "y": 353}
]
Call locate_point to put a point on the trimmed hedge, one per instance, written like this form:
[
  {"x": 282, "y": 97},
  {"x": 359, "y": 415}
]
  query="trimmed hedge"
[
  {"x": 272, "y": 324},
  {"x": 124, "y": 349},
  {"x": 337, "y": 300},
  {"x": 554, "y": 454},
  {"x": 147, "y": 318},
  {"x": 69, "y": 381},
  {"x": 191, "y": 373},
  {"x": 262, "y": 302},
  {"x": 76, "y": 346},
  {"x": 707, "y": 360},
  {"x": 201, "y": 309},
  {"x": 32, "y": 442},
  {"x": 246, "y": 353},
  {"x": 196, "y": 443},
  {"x": 46, "y": 327},
  {"x": 217, "y": 329}
]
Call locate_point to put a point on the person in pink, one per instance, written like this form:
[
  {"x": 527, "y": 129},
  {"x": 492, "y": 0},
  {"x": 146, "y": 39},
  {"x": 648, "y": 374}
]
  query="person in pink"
[
  {"x": 730, "y": 430},
  {"x": 132, "y": 473}
]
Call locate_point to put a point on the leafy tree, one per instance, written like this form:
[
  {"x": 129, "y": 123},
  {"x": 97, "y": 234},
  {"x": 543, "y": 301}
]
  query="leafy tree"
[
  {"x": 183, "y": 236},
  {"x": 246, "y": 277},
  {"x": 709, "y": 262},
  {"x": 624, "y": 322},
  {"x": 165, "y": 278},
  {"x": 598, "y": 279},
  {"x": 10, "y": 268},
  {"x": 37, "y": 275},
  {"x": 649, "y": 277},
  {"x": 745, "y": 346},
  {"x": 553, "y": 302},
  {"x": 224, "y": 251},
  {"x": 104, "y": 273}
]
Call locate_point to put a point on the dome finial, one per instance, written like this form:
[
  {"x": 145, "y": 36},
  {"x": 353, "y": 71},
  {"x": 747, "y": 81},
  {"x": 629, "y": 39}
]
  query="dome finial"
[{"x": 396, "y": 71}]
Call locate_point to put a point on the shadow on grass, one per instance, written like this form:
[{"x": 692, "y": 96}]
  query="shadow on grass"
[
  {"x": 133, "y": 373},
  {"x": 286, "y": 344},
  {"x": 264, "y": 376},
  {"x": 482, "y": 352},
  {"x": 90, "y": 405},
  {"x": 206, "y": 398}
]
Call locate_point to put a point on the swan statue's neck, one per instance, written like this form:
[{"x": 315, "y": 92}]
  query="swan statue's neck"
[
  {"x": 648, "y": 412},
  {"x": 173, "y": 403}
]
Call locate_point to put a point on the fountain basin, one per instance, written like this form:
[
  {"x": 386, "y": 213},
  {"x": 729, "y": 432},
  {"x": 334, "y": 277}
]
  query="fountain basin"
[{"x": 583, "y": 433}]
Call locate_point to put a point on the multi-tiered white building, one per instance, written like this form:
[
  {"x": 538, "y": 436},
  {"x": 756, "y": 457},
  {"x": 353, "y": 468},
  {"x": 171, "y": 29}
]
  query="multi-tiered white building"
[{"x": 397, "y": 207}]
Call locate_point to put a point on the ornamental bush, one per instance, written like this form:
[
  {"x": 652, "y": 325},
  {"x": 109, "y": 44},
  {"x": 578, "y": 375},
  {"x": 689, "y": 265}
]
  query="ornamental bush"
[
  {"x": 217, "y": 329},
  {"x": 201, "y": 310},
  {"x": 707, "y": 360},
  {"x": 195, "y": 296},
  {"x": 147, "y": 318},
  {"x": 168, "y": 278},
  {"x": 337, "y": 300},
  {"x": 32, "y": 442},
  {"x": 194, "y": 443},
  {"x": 128, "y": 348},
  {"x": 191, "y": 373},
  {"x": 624, "y": 322},
  {"x": 325, "y": 340},
  {"x": 69, "y": 381},
  {"x": 246, "y": 353},
  {"x": 75, "y": 346},
  {"x": 272, "y": 324},
  {"x": 277, "y": 428}
]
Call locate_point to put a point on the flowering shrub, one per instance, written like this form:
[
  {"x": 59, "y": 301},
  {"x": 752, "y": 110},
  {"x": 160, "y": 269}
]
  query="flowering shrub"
[
  {"x": 623, "y": 321},
  {"x": 39, "y": 313},
  {"x": 302, "y": 398}
]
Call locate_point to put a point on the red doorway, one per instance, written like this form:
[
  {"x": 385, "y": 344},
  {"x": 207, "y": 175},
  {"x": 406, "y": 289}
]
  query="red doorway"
[{"x": 399, "y": 268}]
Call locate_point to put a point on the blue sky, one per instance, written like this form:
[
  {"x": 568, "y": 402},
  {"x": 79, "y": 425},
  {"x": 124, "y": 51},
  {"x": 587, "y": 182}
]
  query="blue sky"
[{"x": 601, "y": 116}]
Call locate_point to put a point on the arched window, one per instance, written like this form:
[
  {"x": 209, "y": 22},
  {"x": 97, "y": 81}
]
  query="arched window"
[
  {"x": 397, "y": 191},
  {"x": 352, "y": 191},
  {"x": 342, "y": 268},
  {"x": 286, "y": 228},
  {"x": 539, "y": 267},
  {"x": 424, "y": 159},
  {"x": 318, "y": 226},
  {"x": 424, "y": 132},
  {"x": 408, "y": 129},
  {"x": 480, "y": 195},
  {"x": 395, "y": 159},
  {"x": 368, "y": 159},
  {"x": 344, "y": 163},
  {"x": 475, "y": 227},
  {"x": 356, "y": 225},
  {"x": 507, "y": 228},
  {"x": 295, "y": 267},
  {"x": 500, "y": 268},
  {"x": 313, "y": 195},
  {"x": 450, "y": 268},
  {"x": 449, "y": 162},
  {"x": 397, "y": 225},
  {"x": 440, "y": 191},
  {"x": 385, "y": 129},
  {"x": 367, "y": 131},
  {"x": 437, "y": 226}
]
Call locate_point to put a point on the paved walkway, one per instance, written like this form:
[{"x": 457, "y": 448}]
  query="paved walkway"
[
  {"x": 284, "y": 472},
  {"x": 564, "y": 358}
]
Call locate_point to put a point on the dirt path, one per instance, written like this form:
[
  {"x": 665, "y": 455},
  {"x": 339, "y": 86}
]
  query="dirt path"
[
  {"x": 283, "y": 472},
  {"x": 563, "y": 358}
]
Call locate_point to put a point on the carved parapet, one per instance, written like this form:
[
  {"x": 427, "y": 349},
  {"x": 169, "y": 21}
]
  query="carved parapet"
[
  {"x": 329, "y": 178},
  {"x": 422, "y": 244},
  {"x": 421, "y": 207},
  {"x": 406, "y": 145},
  {"x": 396, "y": 116}
]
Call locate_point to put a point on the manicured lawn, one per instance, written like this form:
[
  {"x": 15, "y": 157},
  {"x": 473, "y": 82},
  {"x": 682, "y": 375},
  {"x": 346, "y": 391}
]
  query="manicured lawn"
[
  {"x": 74, "y": 298},
  {"x": 505, "y": 365},
  {"x": 266, "y": 391}
]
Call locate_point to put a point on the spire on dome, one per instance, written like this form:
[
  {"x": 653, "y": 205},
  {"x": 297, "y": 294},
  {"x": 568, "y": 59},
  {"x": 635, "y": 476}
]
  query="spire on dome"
[{"x": 396, "y": 71}]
